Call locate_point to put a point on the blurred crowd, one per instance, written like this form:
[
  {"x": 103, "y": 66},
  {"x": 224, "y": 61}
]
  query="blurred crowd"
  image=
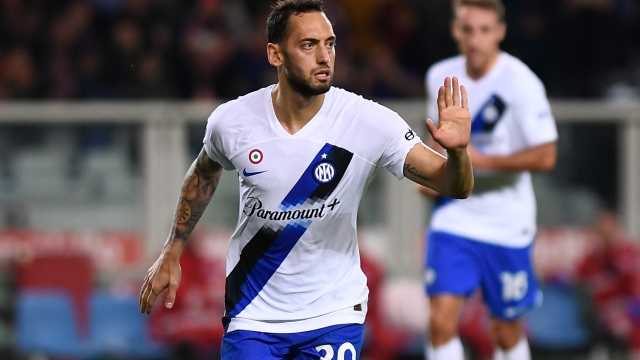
[{"x": 215, "y": 49}]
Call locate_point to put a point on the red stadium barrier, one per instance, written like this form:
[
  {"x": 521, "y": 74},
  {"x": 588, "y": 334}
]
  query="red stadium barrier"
[{"x": 109, "y": 250}]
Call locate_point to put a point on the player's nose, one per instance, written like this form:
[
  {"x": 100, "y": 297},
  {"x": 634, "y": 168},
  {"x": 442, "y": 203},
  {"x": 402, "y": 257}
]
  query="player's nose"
[{"x": 323, "y": 56}]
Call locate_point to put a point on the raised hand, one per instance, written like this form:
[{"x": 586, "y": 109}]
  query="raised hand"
[{"x": 454, "y": 124}]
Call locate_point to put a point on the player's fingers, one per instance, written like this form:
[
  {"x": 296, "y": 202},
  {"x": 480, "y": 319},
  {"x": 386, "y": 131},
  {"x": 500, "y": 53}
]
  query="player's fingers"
[
  {"x": 465, "y": 98},
  {"x": 146, "y": 288},
  {"x": 447, "y": 91},
  {"x": 171, "y": 295},
  {"x": 145, "y": 282},
  {"x": 442, "y": 104},
  {"x": 153, "y": 294},
  {"x": 142, "y": 288},
  {"x": 456, "y": 92},
  {"x": 145, "y": 297}
]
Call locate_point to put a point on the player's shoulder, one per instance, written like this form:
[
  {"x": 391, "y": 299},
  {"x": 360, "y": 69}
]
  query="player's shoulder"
[
  {"x": 517, "y": 70},
  {"x": 237, "y": 109},
  {"x": 446, "y": 67},
  {"x": 248, "y": 102},
  {"x": 352, "y": 108},
  {"x": 343, "y": 97},
  {"x": 348, "y": 101},
  {"x": 522, "y": 85}
]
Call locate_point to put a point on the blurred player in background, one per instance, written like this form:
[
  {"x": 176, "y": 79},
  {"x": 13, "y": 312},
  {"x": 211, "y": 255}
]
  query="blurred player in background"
[
  {"x": 304, "y": 152},
  {"x": 485, "y": 241}
]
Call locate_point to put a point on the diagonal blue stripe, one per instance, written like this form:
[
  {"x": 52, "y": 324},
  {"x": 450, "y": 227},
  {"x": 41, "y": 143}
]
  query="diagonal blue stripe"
[
  {"x": 269, "y": 263},
  {"x": 306, "y": 184},
  {"x": 479, "y": 121},
  {"x": 249, "y": 278}
]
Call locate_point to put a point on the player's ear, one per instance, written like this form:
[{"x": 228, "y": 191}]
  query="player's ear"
[
  {"x": 502, "y": 30},
  {"x": 274, "y": 54},
  {"x": 455, "y": 31}
]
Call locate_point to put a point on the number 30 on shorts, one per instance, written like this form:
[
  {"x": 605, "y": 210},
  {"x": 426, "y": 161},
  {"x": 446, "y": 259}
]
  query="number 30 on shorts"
[{"x": 342, "y": 350}]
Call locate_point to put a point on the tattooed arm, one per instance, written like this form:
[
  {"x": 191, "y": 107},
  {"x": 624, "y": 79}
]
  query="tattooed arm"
[
  {"x": 451, "y": 176},
  {"x": 199, "y": 185}
]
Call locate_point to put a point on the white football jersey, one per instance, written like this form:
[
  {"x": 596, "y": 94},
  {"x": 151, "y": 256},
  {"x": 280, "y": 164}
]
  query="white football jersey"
[
  {"x": 509, "y": 113},
  {"x": 293, "y": 262}
]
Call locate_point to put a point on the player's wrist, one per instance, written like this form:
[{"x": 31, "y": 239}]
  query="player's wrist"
[
  {"x": 173, "y": 250},
  {"x": 457, "y": 153}
]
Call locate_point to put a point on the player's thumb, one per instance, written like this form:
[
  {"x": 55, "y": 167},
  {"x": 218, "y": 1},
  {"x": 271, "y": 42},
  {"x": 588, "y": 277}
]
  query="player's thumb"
[{"x": 431, "y": 126}]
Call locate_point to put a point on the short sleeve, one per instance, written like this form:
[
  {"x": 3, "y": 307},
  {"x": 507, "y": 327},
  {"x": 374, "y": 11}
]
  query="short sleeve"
[
  {"x": 534, "y": 114},
  {"x": 399, "y": 139},
  {"x": 214, "y": 139}
]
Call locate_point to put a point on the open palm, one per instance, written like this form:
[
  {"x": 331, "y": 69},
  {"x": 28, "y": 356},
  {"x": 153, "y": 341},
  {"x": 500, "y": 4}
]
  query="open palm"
[{"x": 454, "y": 125}]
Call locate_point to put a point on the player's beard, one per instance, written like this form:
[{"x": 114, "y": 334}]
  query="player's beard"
[{"x": 303, "y": 85}]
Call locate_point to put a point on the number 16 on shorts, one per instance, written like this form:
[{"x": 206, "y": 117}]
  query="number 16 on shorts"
[{"x": 514, "y": 285}]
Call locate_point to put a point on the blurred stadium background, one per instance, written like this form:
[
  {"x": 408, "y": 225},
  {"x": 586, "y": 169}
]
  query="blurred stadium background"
[{"x": 103, "y": 105}]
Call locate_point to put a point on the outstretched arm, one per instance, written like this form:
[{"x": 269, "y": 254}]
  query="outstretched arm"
[
  {"x": 538, "y": 158},
  {"x": 199, "y": 185},
  {"x": 451, "y": 176}
]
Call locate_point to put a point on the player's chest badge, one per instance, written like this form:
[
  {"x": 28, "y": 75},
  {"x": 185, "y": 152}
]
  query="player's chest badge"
[{"x": 324, "y": 171}]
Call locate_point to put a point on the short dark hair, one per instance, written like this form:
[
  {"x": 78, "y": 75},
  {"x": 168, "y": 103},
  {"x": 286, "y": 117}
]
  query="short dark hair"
[
  {"x": 282, "y": 10},
  {"x": 494, "y": 5}
]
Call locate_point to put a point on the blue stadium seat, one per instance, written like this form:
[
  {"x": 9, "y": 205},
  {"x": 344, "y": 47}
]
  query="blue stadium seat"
[
  {"x": 558, "y": 324},
  {"x": 119, "y": 329},
  {"x": 46, "y": 324}
]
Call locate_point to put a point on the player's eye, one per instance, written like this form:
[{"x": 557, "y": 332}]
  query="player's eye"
[{"x": 307, "y": 46}]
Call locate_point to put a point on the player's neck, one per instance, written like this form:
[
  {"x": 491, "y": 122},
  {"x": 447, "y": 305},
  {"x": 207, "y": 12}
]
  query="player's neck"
[
  {"x": 294, "y": 110},
  {"x": 478, "y": 73}
]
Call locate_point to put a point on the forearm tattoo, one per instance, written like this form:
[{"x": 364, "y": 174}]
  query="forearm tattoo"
[
  {"x": 414, "y": 172},
  {"x": 198, "y": 188}
]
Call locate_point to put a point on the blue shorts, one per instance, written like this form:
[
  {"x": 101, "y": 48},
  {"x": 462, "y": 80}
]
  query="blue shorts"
[
  {"x": 458, "y": 266},
  {"x": 338, "y": 342}
]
